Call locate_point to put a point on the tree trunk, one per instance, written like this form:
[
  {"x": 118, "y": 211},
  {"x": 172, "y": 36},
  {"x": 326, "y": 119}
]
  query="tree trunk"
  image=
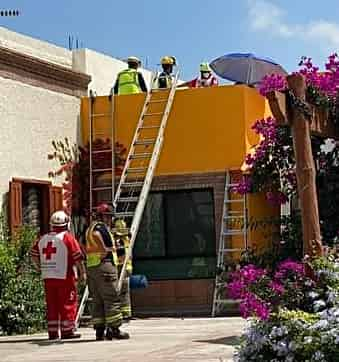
[{"x": 305, "y": 171}]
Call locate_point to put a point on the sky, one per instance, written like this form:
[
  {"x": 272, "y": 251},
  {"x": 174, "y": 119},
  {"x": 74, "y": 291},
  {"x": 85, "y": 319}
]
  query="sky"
[{"x": 192, "y": 30}]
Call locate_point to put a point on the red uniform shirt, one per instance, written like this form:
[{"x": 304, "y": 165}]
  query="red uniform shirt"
[
  {"x": 58, "y": 253},
  {"x": 203, "y": 82}
]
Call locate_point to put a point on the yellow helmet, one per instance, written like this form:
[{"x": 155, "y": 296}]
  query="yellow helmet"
[
  {"x": 134, "y": 60},
  {"x": 120, "y": 227},
  {"x": 168, "y": 60}
]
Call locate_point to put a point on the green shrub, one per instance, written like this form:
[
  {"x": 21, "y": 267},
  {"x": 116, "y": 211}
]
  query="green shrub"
[{"x": 22, "y": 307}]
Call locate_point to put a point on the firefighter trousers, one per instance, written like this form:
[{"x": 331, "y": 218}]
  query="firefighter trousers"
[
  {"x": 102, "y": 283},
  {"x": 125, "y": 299}
]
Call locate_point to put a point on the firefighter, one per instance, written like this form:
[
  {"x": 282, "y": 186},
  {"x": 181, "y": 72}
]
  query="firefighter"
[
  {"x": 130, "y": 81},
  {"x": 56, "y": 254},
  {"x": 122, "y": 241},
  {"x": 165, "y": 78},
  {"x": 206, "y": 78},
  {"x": 102, "y": 280}
]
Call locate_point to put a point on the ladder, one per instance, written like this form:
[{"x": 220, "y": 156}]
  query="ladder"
[
  {"x": 95, "y": 170},
  {"x": 233, "y": 226},
  {"x": 137, "y": 175}
]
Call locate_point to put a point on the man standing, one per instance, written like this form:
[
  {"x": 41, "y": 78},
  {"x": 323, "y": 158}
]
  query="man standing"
[
  {"x": 206, "y": 78},
  {"x": 122, "y": 242},
  {"x": 103, "y": 279},
  {"x": 56, "y": 254},
  {"x": 130, "y": 81},
  {"x": 165, "y": 78}
]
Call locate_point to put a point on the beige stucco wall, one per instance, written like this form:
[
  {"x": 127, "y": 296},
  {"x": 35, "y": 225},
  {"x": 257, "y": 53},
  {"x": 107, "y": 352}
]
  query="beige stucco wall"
[
  {"x": 102, "y": 68},
  {"x": 31, "y": 118},
  {"x": 35, "y": 47}
]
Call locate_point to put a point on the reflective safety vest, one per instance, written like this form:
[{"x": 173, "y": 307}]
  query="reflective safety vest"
[
  {"x": 164, "y": 80},
  {"x": 96, "y": 249},
  {"x": 122, "y": 244},
  {"x": 128, "y": 82}
]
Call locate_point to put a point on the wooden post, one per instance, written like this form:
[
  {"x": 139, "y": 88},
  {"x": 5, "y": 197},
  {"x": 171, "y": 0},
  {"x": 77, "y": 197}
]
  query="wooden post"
[{"x": 305, "y": 170}]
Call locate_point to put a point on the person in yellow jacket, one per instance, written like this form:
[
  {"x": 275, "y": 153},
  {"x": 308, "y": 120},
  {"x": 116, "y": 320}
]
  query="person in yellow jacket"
[
  {"x": 165, "y": 78},
  {"x": 102, "y": 270},
  {"x": 130, "y": 81},
  {"x": 122, "y": 241}
]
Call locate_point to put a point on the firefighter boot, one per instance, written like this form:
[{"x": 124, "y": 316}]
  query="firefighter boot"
[
  {"x": 100, "y": 333},
  {"x": 116, "y": 333}
]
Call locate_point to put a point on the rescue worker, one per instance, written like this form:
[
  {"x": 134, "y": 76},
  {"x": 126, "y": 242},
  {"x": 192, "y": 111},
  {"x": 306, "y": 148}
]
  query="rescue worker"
[
  {"x": 103, "y": 279},
  {"x": 56, "y": 254},
  {"x": 165, "y": 78},
  {"x": 206, "y": 78},
  {"x": 130, "y": 81},
  {"x": 122, "y": 241}
]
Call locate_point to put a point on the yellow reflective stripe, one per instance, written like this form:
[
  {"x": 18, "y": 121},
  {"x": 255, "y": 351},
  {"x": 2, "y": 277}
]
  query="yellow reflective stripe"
[
  {"x": 114, "y": 318},
  {"x": 98, "y": 320}
]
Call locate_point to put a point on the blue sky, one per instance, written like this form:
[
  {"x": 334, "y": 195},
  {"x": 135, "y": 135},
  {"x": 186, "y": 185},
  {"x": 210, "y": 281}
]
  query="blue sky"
[{"x": 192, "y": 30}]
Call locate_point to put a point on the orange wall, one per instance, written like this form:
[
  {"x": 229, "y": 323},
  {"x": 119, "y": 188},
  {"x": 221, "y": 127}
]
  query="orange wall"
[
  {"x": 205, "y": 130},
  {"x": 209, "y": 129}
]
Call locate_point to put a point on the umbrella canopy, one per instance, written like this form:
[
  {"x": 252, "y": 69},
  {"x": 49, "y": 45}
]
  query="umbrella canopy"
[{"x": 245, "y": 67}]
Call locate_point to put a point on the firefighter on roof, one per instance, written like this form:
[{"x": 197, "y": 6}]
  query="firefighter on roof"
[
  {"x": 165, "y": 78},
  {"x": 206, "y": 78},
  {"x": 130, "y": 80}
]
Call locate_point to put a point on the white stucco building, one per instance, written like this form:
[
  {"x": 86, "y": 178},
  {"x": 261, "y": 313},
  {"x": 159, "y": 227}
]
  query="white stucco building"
[{"x": 40, "y": 89}]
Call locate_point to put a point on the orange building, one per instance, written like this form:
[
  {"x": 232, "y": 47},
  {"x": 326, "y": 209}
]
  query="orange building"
[{"x": 208, "y": 133}]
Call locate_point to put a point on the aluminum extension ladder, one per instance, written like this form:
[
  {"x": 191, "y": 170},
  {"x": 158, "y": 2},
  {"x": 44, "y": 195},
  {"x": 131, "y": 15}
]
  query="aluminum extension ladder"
[
  {"x": 137, "y": 175},
  {"x": 233, "y": 225},
  {"x": 95, "y": 171}
]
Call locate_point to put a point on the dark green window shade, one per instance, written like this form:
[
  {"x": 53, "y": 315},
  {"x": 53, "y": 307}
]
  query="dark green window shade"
[
  {"x": 150, "y": 241},
  {"x": 190, "y": 223},
  {"x": 176, "y": 238}
]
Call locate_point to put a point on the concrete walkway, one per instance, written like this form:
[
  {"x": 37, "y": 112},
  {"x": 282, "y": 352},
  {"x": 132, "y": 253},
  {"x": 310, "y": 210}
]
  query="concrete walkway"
[{"x": 154, "y": 339}]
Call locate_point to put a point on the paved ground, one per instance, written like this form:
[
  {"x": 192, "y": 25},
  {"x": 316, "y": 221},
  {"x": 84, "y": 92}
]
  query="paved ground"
[{"x": 152, "y": 340}]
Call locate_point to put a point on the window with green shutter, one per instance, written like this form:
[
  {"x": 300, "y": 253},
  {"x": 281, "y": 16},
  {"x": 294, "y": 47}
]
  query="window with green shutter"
[{"x": 176, "y": 239}]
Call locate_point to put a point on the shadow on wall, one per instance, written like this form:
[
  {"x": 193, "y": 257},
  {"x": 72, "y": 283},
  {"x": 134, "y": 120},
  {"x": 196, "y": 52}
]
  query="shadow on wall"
[
  {"x": 78, "y": 130},
  {"x": 4, "y": 206}
]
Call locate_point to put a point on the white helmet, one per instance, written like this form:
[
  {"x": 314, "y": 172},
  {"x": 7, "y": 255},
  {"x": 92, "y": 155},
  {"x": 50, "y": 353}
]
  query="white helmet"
[{"x": 59, "y": 219}]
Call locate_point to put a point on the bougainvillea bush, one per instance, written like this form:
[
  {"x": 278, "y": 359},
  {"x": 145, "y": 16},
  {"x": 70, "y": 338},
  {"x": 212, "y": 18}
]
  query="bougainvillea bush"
[{"x": 270, "y": 167}]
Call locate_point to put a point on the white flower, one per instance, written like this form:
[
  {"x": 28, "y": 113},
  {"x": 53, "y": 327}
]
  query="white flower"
[
  {"x": 318, "y": 304},
  {"x": 313, "y": 295},
  {"x": 308, "y": 340},
  {"x": 322, "y": 324},
  {"x": 318, "y": 356}
]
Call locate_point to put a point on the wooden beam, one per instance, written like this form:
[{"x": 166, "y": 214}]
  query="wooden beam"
[
  {"x": 321, "y": 125},
  {"x": 305, "y": 170}
]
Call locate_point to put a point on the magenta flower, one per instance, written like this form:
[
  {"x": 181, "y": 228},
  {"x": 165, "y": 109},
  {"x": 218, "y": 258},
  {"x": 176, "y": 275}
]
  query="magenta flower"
[
  {"x": 251, "y": 305},
  {"x": 276, "y": 287},
  {"x": 289, "y": 266},
  {"x": 272, "y": 82}
]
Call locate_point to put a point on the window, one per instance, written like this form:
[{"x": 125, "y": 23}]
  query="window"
[
  {"x": 31, "y": 202},
  {"x": 176, "y": 239}
]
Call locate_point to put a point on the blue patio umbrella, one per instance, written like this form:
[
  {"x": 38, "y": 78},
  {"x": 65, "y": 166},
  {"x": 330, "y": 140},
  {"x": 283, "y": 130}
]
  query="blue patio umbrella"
[{"x": 245, "y": 67}]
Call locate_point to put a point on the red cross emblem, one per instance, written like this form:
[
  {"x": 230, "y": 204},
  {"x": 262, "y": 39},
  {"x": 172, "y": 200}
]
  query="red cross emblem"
[{"x": 49, "y": 250}]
